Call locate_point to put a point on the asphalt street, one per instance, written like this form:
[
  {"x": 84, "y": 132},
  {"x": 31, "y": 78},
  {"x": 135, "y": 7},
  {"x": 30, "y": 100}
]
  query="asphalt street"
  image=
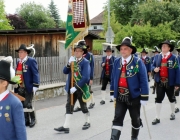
[{"x": 51, "y": 113}]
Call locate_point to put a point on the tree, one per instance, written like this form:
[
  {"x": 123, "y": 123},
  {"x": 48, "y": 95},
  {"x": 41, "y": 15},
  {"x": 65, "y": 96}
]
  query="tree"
[
  {"x": 54, "y": 13},
  {"x": 123, "y": 9},
  {"x": 36, "y": 16},
  {"x": 17, "y": 21},
  {"x": 4, "y": 22},
  {"x": 157, "y": 12}
]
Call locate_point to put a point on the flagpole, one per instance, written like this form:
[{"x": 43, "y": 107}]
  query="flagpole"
[{"x": 72, "y": 74}]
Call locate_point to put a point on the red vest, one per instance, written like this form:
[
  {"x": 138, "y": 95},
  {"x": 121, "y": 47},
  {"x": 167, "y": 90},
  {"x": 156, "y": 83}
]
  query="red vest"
[
  {"x": 107, "y": 67},
  {"x": 19, "y": 71},
  {"x": 122, "y": 79},
  {"x": 163, "y": 68}
]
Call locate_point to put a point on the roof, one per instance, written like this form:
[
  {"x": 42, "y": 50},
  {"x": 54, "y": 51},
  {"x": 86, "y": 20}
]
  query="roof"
[
  {"x": 98, "y": 19},
  {"x": 32, "y": 31}
]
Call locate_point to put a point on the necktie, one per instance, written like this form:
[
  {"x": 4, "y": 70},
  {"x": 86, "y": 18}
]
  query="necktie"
[
  {"x": 125, "y": 62},
  {"x": 164, "y": 56}
]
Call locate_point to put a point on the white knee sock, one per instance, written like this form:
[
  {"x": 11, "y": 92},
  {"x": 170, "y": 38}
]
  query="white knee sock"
[
  {"x": 172, "y": 107},
  {"x": 177, "y": 101},
  {"x": 92, "y": 98},
  {"x": 103, "y": 92},
  {"x": 87, "y": 117},
  {"x": 158, "y": 110},
  {"x": 112, "y": 97},
  {"x": 67, "y": 121}
]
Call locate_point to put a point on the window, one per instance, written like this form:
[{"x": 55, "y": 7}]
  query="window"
[{"x": 95, "y": 27}]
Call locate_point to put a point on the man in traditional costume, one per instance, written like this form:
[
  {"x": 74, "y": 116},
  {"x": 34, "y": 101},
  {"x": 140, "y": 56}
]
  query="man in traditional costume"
[
  {"x": 80, "y": 89},
  {"x": 155, "y": 52},
  {"x": 107, "y": 65},
  {"x": 167, "y": 73},
  {"x": 12, "y": 122},
  {"x": 147, "y": 62},
  {"x": 89, "y": 56},
  {"x": 27, "y": 69},
  {"x": 130, "y": 85}
]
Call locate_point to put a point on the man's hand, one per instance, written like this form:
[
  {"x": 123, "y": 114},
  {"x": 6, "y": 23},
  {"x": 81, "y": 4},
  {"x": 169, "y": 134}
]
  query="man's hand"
[
  {"x": 90, "y": 82},
  {"x": 103, "y": 64},
  {"x": 71, "y": 59},
  {"x": 156, "y": 69},
  {"x": 149, "y": 73},
  {"x": 176, "y": 88},
  {"x": 72, "y": 90}
]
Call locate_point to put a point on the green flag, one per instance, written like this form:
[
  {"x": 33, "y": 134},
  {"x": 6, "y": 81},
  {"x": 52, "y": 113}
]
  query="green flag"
[{"x": 77, "y": 21}]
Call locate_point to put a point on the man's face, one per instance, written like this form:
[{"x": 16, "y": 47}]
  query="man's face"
[
  {"x": 165, "y": 48},
  {"x": 143, "y": 54},
  {"x": 78, "y": 53},
  {"x": 22, "y": 54},
  {"x": 125, "y": 51},
  {"x": 108, "y": 52},
  {"x": 3, "y": 85}
]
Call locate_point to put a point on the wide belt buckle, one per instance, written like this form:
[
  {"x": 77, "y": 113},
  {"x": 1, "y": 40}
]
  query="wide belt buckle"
[
  {"x": 164, "y": 79},
  {"x": 123, "y": 91}
]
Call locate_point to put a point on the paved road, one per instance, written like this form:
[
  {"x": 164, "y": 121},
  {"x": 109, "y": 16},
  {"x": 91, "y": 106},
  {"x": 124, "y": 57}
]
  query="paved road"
[{"x": 50, "y": 114}]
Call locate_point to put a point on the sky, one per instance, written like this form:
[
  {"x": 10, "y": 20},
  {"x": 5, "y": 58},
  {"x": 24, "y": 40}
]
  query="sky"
[{"x": 95, "y": 6}]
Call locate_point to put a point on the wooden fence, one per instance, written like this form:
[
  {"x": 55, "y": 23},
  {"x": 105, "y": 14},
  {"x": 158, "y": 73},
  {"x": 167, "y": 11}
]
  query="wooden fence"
[{"x": 51, "y": 69}]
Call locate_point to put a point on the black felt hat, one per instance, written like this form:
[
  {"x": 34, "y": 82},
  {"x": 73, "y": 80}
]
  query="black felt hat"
[
  {"x": 5, "y": 72},
  {"x": 108, "y": 48},
  {"x": 144, "y": 51},
  {"x": 156, "y": 50},
  {"x": 168, "y": 43},
  {"x": 23, "y": 47},
  {"x": 127, "y": 42},
  {"x": 81, "y": 45}
]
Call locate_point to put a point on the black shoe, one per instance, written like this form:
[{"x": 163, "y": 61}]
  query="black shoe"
[
  {"x": 115, "y": 134},
  {"x": 111, "y": 100},
  {"x": 102, "y": 102},
  {"x": 62, "y": 129},
  {"x": 153, "y": 91},
  {"x": 86, "y": 126},
  {"x": 155, "y": 121},
  {"x": 172, "y": 117},
  {"x": 133, "y": 138},
  {"x": 91, "y": 105},
  {"x": 33, "y": 122},
  {"x": 176, "y": 110},
  {"x": 27, "y": 123},
  {"x": 152, "y": 87},
  {"x": 134, "y": 134},
  {"x": 77, "y": 109}
]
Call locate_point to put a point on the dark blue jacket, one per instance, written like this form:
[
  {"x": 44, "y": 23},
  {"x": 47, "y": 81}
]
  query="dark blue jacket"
[
  {"x": 137, "y": 81},
  {"x": 147, "y": 63},
  {"x": 15, "y": 128},
  {"x": 30, "y": 74},
  {"x": 111, "y": 65},
  {"x": 89, "y": 56},
  {"x": 173, "y": 73},
  {"x": 84, "y": 69}
]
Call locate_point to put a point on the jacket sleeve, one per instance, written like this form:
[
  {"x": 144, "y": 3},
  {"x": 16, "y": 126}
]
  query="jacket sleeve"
[
  {"x": 177, "y": 73},
  {"x": 154, "y": 62},
  {"x": 85, "y": 75},
  {"x": 143, "y": 81},
  {"x": 19, "y": 123},
  {"x": 112, "y": 77},
  {"x": 102, "y": 62},
  {"x": 67, "y": 69},
  {"x": 92, "y": 67},
  {"x": 35, "y": 72},
  {"x": 149, "y": 70}
]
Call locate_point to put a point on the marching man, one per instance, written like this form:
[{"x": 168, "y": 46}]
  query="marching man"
[
  {"x": 107, "y": 65},
  {"x": 81, "y": 81},
  {"x": 167, "y": 73},
  {"x": 147, "y": 62},
  {"x": 89, "y": 56},
  {"x": 130, "y": 85}
]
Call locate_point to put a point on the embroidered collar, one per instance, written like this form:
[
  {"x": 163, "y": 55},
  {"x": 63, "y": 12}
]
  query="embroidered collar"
[
  {"x": 4, "y": 94},
  {"x": 167, "y": 54},
  {"x": 109, "y": 57},
  {"x": 144, "y": 57},
  {"x": 23, "y": 59}
]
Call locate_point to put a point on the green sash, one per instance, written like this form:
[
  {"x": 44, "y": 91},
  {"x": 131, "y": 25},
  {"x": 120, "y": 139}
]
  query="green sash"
[{"x": 85, "y": 89}]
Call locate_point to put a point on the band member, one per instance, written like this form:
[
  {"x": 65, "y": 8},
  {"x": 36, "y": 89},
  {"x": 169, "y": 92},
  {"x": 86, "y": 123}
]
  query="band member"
[
  {"x": 177, "y": 90},
  {"x": 107, "y": 65},
  {"x": 27, "y": 69},
  {"x": 155, "y": 52},
  {"x": 80, "y": 89},
  {"x": 147, "y": 62},
  {"x": 128, "y": 70},
  {"x": 89, "y": 56},
  {"x": 167, "y": 72},
  {"x": 11, "y": 110}
]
